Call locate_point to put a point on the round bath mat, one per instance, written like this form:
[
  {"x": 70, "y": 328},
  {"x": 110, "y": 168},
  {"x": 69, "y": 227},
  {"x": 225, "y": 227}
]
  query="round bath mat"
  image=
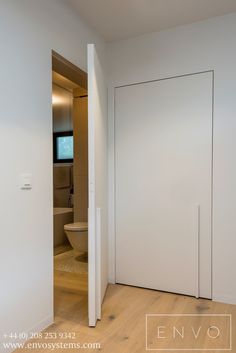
[{"x": 68, "y": 262}]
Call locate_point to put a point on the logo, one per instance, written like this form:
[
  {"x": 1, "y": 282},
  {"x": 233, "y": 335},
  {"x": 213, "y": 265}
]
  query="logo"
[{"x": 192, "y": 332}]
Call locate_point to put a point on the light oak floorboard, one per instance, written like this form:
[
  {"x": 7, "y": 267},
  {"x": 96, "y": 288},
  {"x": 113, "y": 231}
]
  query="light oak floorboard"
[{"x": 122, "y": 329}]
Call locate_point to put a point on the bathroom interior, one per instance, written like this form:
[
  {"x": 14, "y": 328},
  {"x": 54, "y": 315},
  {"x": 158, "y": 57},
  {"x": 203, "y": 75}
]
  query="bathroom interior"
[{"x": 70, "y": 191}]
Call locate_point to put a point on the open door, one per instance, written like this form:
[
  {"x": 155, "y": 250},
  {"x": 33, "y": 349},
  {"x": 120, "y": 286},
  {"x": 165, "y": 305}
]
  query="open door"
[{"x": 97, "y": 220}]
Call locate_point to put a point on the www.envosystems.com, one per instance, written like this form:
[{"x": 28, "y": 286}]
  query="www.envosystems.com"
[{"x": 50, "y": 346}]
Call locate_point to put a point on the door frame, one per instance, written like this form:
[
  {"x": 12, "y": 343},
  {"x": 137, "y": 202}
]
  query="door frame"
[{"x": 112, "y": 168}]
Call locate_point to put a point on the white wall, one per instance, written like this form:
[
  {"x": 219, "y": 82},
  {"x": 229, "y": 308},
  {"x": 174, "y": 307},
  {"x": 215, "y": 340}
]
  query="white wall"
[
  {"x": 192, "y": 48},
  {"x": 29, "y": 30}
]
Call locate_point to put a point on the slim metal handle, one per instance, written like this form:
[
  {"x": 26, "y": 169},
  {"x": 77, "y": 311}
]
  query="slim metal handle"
[{"x": 197, "y": 240}]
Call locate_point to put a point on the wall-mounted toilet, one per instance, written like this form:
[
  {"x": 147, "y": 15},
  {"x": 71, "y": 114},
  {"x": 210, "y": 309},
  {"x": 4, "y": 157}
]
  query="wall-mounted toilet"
[{"x": 77, "y": 234}]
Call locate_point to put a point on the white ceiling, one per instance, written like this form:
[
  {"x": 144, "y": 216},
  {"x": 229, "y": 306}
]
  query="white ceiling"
[{"x": 121, "y": 19}]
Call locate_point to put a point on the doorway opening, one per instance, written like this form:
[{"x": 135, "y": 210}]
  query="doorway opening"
[{"x": 70, "y": 189}]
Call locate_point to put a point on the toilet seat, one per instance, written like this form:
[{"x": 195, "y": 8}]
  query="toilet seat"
[{"x": 76, "y": 227}]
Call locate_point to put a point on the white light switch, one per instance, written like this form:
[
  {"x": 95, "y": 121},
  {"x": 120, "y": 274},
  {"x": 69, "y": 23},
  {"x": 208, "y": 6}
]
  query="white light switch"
[{"x": 26, "y": 181}]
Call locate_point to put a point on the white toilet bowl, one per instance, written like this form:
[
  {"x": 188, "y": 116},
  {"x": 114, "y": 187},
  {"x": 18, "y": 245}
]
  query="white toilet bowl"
[{"x": 77, "y": 234}]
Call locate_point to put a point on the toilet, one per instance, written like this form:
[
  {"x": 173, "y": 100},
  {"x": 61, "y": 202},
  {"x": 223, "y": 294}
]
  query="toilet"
[{"x": 77, "y": 234}]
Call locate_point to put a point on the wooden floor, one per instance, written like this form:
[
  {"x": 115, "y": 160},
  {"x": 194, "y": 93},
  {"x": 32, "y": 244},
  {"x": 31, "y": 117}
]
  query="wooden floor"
[{"x": 122, "y": 329}]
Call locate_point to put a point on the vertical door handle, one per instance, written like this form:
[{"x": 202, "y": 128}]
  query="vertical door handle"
[{"x": 197, "y": 244}]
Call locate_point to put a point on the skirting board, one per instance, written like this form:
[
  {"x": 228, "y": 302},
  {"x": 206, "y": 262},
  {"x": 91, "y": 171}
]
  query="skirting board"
[{"x": 42, "y": 325}]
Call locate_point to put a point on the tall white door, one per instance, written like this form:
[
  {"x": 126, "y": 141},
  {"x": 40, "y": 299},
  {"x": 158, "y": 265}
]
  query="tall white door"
[
  {"x": 163, "y": 153},
  {"x": 97, "y": 151}
]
